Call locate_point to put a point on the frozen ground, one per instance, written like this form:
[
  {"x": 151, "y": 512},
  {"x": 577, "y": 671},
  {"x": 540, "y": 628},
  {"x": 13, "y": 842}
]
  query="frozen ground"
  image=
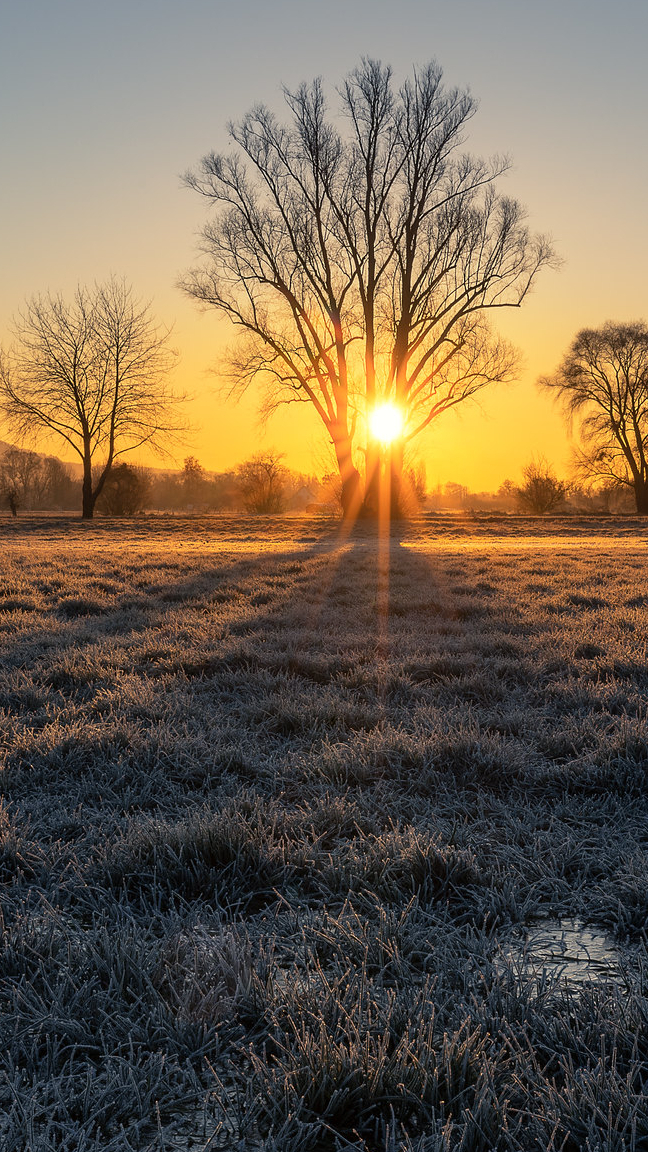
[{"x": 301, "y": 835}]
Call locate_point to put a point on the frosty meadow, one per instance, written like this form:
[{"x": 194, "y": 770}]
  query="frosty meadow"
[{"x": 283, "y": 814}]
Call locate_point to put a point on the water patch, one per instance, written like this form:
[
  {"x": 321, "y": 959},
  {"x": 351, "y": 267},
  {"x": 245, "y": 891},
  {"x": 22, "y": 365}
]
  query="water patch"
[{"x": 568, "y": 951}]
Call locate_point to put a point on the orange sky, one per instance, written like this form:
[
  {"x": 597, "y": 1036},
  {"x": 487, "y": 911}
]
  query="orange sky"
[{"x": 105, "y": 107}]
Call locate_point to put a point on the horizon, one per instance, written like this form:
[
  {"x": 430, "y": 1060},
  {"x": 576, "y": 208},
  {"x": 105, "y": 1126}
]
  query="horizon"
[{"x": 177, "y": 467}]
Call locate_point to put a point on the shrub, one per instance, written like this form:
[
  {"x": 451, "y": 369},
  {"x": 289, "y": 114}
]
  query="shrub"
[
  {"x": 125, "y": 492},
  {"x": 541, "y": 491}
]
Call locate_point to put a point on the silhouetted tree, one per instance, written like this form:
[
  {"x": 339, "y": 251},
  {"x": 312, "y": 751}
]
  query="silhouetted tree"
[
  {"x": 36, "y": 481},
  {"x": 194, "y": 481},
  {"x": 507, "y": 488},
  {"x": 125, "y": 492},
  {"x": 10, "y": 498},
  {"x": 505, "y": 497},
  {"x": 456, "y": 494},
  {"x": 261, "y": 480},
  {"x": 541, "y": 491},
  {"x": 603, "y": 382},
  {"x": 59, "y": 488},
  {"x": 92, "y": 373},
  {"x": 20, "y": 477},
  {"x": 362, "y": 266}
]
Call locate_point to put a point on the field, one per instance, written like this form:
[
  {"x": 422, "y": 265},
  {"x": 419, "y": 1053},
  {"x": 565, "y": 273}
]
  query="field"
[{"x": 282, "y": 812}]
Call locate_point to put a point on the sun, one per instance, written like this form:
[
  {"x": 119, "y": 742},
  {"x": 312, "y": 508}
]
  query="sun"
[{"x": 386, "y": 423}]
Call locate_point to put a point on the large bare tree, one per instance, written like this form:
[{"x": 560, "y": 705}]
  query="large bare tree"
[
  {"x": 361, "y": 261},
  {"x": 93, "y": 373},
  {"x": 603, "y": 383}
]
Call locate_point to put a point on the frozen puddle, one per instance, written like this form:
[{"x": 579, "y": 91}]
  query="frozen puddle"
[{"x": 568, "y": 951}]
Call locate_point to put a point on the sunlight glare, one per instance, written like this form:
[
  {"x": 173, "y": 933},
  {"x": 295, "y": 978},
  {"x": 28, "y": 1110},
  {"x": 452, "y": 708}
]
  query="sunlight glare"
[{"x": 386, "y": 423}]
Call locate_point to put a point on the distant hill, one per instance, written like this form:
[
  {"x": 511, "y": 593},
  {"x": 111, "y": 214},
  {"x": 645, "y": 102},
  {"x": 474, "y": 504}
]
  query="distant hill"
[{"x": 75, "y": 467}]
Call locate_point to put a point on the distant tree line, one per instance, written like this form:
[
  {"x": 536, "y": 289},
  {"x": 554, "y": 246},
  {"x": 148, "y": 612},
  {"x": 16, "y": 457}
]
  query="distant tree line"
[
  {"x": 34, "y": 482},
  {"x": 540, "y": 493},
  {"x": 31, "y": 482},
  {"x": 262, "y": 484}
]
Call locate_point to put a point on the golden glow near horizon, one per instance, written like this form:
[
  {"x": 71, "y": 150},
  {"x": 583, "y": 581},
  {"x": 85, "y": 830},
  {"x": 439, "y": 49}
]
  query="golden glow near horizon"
[{"x": 386, "y": 423}]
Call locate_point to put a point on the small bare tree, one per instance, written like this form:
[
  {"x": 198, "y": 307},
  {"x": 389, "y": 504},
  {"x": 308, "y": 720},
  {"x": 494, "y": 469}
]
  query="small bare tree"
[
  {"x": 603, "y": 383},
  {"x": 541, "y": 491},
  {"x": 59, "y": 488},
  {"x": 416, "y": 479},
  {"x": 92, "y": 373},
  {"x": 194, "y": 482},
  {"x": 21, "y": 474},
  {"x": 262, "y": 479}
]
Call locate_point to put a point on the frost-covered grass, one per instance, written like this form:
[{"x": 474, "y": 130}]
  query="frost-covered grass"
[{"x": 274, "y": 804}]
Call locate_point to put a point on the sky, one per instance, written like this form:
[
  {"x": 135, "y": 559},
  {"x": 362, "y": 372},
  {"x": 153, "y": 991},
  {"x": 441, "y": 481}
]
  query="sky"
[{"x": 103, "y": 107}]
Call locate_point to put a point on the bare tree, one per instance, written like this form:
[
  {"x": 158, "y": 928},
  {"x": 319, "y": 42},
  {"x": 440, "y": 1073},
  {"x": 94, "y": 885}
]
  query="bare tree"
[
  {"x": 10, "y": 498},
  {"x": 20, "y": 474},
  {"x": 10, "y": 495},
  {"x": 416, "y": 479},
  {"x": 361, "y": 266},
  {"x": 261, "y": 480},
  {"x": 194, "y": 482},
  {"x": 92, "y": 373},
  {"x": 59, "y": 489},
  {"x": 603, "y": 382},
  {"x": 35, "y": 481},
  {"x": 541, "y": 491}
]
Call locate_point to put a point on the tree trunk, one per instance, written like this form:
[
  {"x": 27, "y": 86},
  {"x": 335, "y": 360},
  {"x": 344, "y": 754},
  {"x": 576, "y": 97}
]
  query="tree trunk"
[
  {"x": 386, "y": 490},
  {"x": 351, "y": 485},
  {"x": 397, "y": 494},
  {"x": 87, "y": 495},
  {"x": 371, "y": 501},
  {"x": 403, "y": 502},
  {"x": 641, "y": 497}
]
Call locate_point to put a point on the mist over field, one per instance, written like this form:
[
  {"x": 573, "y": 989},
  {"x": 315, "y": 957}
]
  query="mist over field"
[{"x": 283, "y": 808}]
